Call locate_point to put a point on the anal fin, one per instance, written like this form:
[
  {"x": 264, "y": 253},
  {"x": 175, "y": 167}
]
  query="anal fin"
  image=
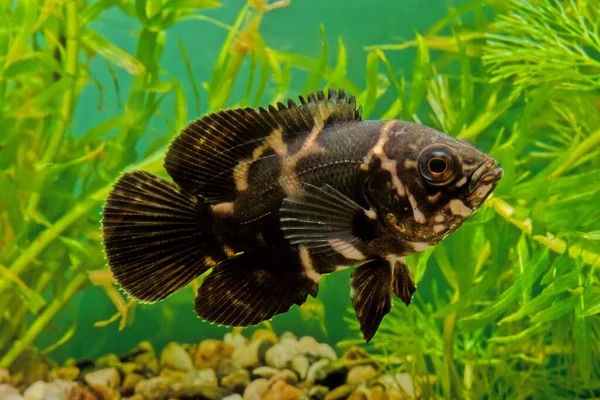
[{"x": 250, "y": 288}]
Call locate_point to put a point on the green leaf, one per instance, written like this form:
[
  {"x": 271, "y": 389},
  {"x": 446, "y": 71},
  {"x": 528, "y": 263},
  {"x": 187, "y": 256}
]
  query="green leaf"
[
  {"x": 100, "y": 45},
  {"x": 338, "y": 75},
  {"x": 420, "y": 74},
  {"x": 532, "y": 271},
  {"x": 188, "y": 67},
  {"x": 92, "y": 10},
  {"x": 369, "y": 97},
  {"x": 529, "y": 308},
  {"x": 181, "y": 118},
  {"x": 191, "y": 4},
  {"x": 556, "y": 310}
]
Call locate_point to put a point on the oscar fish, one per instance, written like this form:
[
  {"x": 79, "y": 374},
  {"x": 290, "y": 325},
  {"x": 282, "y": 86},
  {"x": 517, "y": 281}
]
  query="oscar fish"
[{"x": 271, "y": 199}]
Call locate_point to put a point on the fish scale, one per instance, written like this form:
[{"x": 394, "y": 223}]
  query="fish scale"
[{"x": 271, "y": 199}]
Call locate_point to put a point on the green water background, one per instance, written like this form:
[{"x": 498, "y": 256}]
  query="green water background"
[{"x": 294, "y": 29}]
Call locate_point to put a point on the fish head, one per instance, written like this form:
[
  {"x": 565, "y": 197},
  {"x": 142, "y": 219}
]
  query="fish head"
[{"x": 434, "y": 183}]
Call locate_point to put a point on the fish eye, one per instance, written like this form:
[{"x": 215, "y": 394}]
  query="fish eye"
[{"x": 438, "y": 165}]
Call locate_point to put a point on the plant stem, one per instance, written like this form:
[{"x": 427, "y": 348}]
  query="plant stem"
[
  {"x": 40, "y": 323},
  {"x": 64, "y": 116},
  {"x": 449, "y": 329}
]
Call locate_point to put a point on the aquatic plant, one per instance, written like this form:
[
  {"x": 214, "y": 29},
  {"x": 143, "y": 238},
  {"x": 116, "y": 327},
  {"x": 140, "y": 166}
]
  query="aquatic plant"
[
  {"x": 53, "y": 179},
  {"x": 516, "y": 313}
]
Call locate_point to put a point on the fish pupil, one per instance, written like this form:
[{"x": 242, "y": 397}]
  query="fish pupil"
[{"x": 437, "y": 165}]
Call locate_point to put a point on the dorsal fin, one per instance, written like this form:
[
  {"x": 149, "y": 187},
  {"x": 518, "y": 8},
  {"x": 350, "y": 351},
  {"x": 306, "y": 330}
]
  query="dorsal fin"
[{"x": 203, "y": 157}]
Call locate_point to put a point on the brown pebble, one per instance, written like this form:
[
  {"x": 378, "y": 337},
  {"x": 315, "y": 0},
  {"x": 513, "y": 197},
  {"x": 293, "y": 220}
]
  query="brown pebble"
[
  {"x": 210, "y": 352},
  {"x": 286, "y": 375},
  {"x": 360, "y": 373},
  {"x": 4, "y": 375},
  {"x": 64, "y": 373},
  {"x": 128, "y": 387},
  {"x": 280, "y": 390},
  {"x": 256, "y": 389}
]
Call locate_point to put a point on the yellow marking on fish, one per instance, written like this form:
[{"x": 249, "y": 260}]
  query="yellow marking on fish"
[
  {"x": 240, "y": 175},
  {"x": 276, "y": 142},
  {"x": 439, "y": 218},
  {"x": 289, "y": 177},
  {"x": 417, "y": 213},
  {"x": 420, "y": 246},
  {"x": 433, "y": 198},
  {"x": 437, "y": 228},
  {"x": 225, "y": 208},
  {"x": 209, "y": 261},
  {"x": 309, "y": 269},
  {"x": 410, "y": 164},
  {"x": 258, "y": 152},
  {"x": 346, "y": 249},
  {"x": 387, "y": 164},
  {"x": 461, "y": 181},
  {"x": 229, "y": 252},
  {"x": 457, "y": 207},
  {"x": 482, "y": 191}
]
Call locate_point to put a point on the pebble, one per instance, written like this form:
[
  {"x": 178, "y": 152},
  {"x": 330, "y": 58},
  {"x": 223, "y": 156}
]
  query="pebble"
[
  {"x": 176, "y": 357},
  {"x": 280, "y": 390},
  {"x": 129, "y": 382},
  {"x": 256, "y": 389},
  {"x": 360, "y": 373},
  {"x": 55, "y": 390},
  {"x": 226, "y": 367},
  {"x": 311, "y": 374},
  {"x": 6, "y": 390},
  {"x": 108, "y": 377},
  {"x": 264, "y": 372},
  {"x": 203, "y": 377},
  {"x": 235, "y": 339},
  {"x": 246, "y": 356},
  {"x": 286, "y": 375},
  {"x": 318, "y": 392},
  {"x": 157, "y": 388},
  {"x": 108, "y": 361},
  {"x": 234, "y": 396},
  {"x": 210, "y": 352},
  {"x": 280, "y": 355},
  {"x": 339, "y": 393},
  {"x": 4, "y": 375},
  {"x": 236, "y": 381},
  {"x": 264, "y": 334},
  {"x": 64, "y": 373},
  {"x": 300, "y": 364}
]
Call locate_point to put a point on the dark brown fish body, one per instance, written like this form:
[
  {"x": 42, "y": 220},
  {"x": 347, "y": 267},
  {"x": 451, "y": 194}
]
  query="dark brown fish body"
[{"x": 274, "y": 199}]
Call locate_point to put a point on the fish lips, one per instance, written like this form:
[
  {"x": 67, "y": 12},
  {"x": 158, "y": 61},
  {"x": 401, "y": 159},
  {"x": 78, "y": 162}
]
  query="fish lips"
[{"x": 485, "y": 174}]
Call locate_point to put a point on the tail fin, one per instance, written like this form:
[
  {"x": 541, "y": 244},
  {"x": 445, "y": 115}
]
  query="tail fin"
[{"x": 155, "y": 235}]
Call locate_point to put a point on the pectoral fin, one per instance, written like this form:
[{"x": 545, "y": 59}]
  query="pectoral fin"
[{"x": 326, "y": 221}]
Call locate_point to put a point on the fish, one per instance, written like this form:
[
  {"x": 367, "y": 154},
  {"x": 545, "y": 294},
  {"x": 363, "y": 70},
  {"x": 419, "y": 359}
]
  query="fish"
[{"x": 263, "y": 202}]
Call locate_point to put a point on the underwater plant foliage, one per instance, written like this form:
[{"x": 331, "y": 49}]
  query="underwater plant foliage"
[{"x": 507, "y": 307}]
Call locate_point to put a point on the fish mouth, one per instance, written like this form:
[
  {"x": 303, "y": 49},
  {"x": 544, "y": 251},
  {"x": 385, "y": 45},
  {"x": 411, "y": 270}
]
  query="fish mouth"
[{"x": 485, "y": 174}]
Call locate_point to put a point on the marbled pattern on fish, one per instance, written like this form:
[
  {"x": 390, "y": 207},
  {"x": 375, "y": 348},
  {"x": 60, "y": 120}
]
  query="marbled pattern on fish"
[{"x": 273, "y": 199}]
